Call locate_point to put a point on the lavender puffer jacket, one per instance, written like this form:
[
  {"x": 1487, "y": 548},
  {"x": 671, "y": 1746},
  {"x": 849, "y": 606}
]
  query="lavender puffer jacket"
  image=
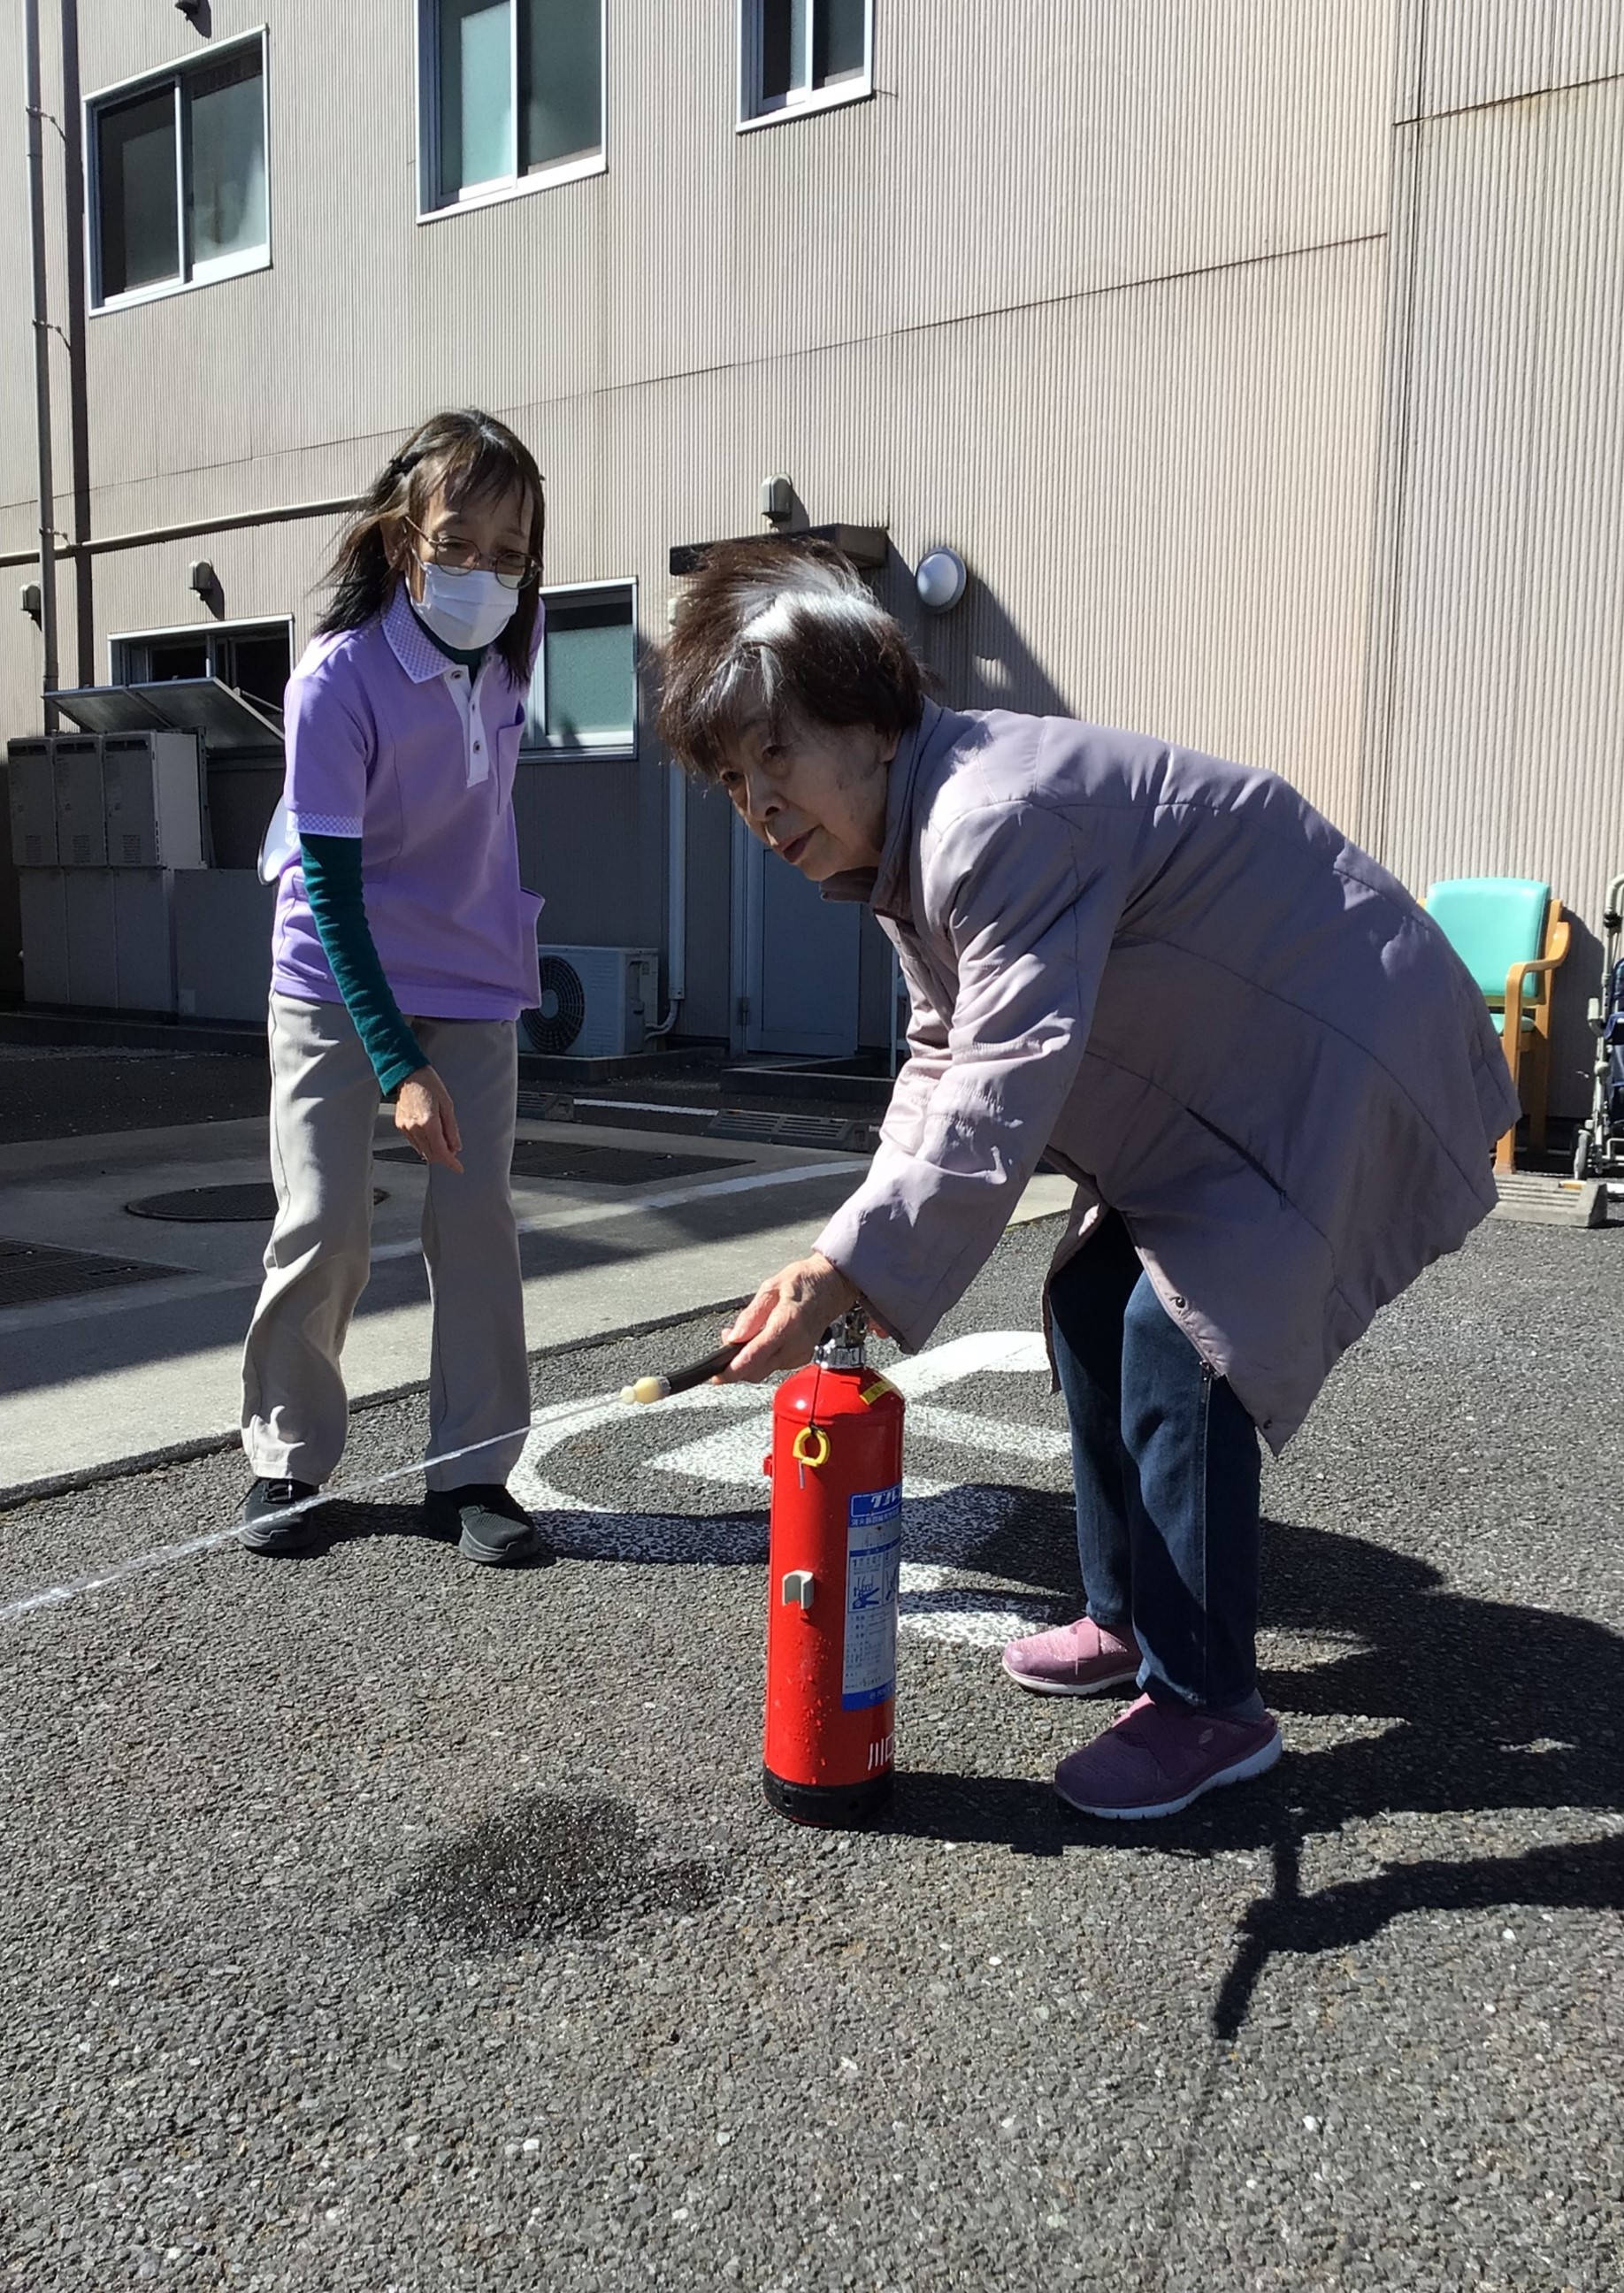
[{"x": 1212, "y": 1011}]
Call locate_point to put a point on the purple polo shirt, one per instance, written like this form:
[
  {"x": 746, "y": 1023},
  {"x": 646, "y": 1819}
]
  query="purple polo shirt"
[{"x": 387, "y": 741}]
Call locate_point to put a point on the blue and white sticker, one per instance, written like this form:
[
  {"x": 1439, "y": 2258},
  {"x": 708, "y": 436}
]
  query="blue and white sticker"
[{"x": 874, "y": 1563}]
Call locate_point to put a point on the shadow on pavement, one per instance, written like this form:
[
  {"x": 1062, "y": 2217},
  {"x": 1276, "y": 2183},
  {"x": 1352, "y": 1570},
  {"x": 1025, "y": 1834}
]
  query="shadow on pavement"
[{"x": 1487, "y": 1704}]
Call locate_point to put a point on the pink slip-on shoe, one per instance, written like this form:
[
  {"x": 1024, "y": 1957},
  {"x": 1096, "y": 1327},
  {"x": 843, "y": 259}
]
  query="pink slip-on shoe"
[
  {"x": 1156, "y": 1758},
  {"x": 1074, "y": 1660}
]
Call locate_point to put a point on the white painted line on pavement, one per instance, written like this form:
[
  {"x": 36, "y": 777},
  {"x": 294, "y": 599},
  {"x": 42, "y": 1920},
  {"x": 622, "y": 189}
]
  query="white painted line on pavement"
[{"x": 942, "y": 1610}]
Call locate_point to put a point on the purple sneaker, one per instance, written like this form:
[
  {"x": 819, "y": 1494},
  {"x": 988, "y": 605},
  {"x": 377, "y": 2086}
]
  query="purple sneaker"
[
  {"x": 1075, "y": 1660},
  {"x": 1157, "y": 1758}
]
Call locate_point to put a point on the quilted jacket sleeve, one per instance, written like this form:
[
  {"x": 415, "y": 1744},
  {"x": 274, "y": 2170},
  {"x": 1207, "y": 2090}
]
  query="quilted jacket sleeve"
[{"x": 1029, "y": 907}]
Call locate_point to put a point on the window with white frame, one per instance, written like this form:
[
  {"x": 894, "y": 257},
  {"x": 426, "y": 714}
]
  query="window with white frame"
[
  {"x": 511, "y": 95},
  {"x": 584, "y": 698},
  {"x": 179, "y": 196},
  {"x": 253, "y": 658},
  {"x": 798, "y": 56}
]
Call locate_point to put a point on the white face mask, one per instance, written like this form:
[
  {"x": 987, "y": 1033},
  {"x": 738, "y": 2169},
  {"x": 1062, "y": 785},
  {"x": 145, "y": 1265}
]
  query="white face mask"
[{"x": 465, "y": 610}]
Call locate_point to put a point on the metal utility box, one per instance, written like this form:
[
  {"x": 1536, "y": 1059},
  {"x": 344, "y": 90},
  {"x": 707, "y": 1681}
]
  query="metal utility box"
[
  {"x": 30, "y": 780},
  {"x": 223, "y": 920},
  {"x": 81, "y": 808},
  {"x": 143, "y": 937},
  {"x": 153, "y": 795},
  {"x": 43, "y": 897},
  {"x": 92, "y": 938}
]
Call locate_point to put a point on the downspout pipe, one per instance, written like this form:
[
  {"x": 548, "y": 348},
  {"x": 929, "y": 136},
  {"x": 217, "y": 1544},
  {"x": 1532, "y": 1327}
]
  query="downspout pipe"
[
  {"x": 41, "y": 364},
  {"x": 676, "y": 899}
]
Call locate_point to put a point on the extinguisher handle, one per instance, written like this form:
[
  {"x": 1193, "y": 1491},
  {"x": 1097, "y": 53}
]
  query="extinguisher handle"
[{"x": 660, "y": 1388}]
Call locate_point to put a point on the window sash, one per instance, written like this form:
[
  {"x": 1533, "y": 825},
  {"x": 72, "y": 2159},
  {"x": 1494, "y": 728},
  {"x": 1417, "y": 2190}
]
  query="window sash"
[
  {"x": 547, "y": 123},
  {"x": 583, "y": 700},
  {"x": 137, "y": 656},
  {"x": 229, "y": 162},
  {"x": 802, "y": 56}
]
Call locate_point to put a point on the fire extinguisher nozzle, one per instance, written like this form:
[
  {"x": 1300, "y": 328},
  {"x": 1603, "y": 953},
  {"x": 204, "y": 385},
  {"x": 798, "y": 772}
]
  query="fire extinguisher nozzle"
[{"x": 660, "y": 1388}]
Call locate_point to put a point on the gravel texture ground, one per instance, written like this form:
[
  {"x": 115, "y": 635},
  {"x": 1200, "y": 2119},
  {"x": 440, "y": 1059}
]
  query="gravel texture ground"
[{"x": 375, "y": 1922}]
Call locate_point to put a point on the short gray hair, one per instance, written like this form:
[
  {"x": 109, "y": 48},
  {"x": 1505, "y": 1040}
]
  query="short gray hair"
[{"x": 789, "y": 627}]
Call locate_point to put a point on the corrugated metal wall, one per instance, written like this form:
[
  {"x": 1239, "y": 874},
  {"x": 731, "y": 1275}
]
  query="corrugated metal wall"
[{"x": 1497, "y": 686}]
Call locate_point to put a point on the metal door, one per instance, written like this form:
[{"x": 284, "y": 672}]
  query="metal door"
[{"x": 795, "y": 958}]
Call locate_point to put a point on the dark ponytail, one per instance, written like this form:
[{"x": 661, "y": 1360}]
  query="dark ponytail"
[{"x": 466, "y": 455}]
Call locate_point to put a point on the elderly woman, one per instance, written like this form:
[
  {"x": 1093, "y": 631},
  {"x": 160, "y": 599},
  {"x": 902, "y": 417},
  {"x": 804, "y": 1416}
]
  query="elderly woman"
[{"x": 1273, "y": 1084}]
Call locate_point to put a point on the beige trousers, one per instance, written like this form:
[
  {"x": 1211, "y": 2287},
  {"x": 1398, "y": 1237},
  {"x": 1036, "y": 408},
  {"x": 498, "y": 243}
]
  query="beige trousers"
[{"x": 324, "y": 1105}]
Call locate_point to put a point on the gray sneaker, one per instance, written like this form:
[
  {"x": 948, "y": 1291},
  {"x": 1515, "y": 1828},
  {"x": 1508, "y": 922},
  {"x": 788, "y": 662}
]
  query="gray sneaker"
[
  {"x": 491, "y": 1526},
  {"x": 267, "y": 1525}
]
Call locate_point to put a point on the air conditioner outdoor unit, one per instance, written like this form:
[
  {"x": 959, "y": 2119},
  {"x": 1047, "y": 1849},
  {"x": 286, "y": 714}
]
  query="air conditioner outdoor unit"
[{"x": 596, "y": 1003}]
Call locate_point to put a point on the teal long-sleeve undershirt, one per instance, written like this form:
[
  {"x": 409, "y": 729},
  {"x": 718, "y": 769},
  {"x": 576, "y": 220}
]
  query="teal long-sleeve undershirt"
[{"x": 332, "y": 866}]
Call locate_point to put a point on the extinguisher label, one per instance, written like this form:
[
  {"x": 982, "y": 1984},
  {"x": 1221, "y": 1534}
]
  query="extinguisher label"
[{"x": 874, "y": 1561}]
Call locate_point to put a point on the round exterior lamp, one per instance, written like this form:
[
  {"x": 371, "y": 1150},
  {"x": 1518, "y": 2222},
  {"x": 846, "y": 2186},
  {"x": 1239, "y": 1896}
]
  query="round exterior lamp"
[{"x": 941, "y": 579}]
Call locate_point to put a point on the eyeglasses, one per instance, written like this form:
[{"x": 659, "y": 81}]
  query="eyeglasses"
[{"x": 512, "y": 568}]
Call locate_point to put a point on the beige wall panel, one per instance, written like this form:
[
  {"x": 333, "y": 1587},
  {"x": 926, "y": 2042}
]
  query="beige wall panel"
[
  {"x": 1498, "y": 667},
  {"x": 19, "y": 468},
  {"x": 1164, "y": 495},
  {"x": 1487, "y": 51},
  {"x": 1012, "y": 156}
]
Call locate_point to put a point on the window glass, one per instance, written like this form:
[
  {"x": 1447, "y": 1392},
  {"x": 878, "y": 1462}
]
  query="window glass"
[
  {"x": 257, "y": 666},
  {"x": 227, "y": 120},
  {"x": 839, "y": 41},
  {"x": 164, "y": 658},
  {"x": 561, "y": 79},
  {"x": 135, "y": 160},
  {"x": 783, "y": 47},
  {"x": 587, "y": 696},
  {"x": 476, "y": 94}
]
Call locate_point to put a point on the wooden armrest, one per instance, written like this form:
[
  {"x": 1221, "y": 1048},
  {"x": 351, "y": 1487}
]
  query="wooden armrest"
[{"x": 1519, "y": 972}]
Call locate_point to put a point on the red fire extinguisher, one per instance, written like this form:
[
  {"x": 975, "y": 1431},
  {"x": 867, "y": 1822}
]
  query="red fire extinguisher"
[{"x": 835, "y": 1556}]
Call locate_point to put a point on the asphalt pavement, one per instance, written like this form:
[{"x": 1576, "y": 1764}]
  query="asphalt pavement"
[{"x": 373, "y": 1921}]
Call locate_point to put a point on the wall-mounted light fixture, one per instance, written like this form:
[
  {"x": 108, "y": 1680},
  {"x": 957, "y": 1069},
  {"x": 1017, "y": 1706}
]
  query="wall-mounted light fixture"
[
  {"x": 192, "y": 9},
  {"x": 29, "y": 598},
  {"x": 777, "y": 501},
  {"x": 201, "y": 578},
  {"x": 941, "y": 579}
]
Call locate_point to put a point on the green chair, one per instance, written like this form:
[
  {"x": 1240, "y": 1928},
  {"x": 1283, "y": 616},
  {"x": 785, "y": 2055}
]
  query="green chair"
[{"x": 1511, "y": 935}]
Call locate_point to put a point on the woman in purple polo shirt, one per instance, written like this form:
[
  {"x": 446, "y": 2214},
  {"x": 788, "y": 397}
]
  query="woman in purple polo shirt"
[{"x": 404, "y": 949}]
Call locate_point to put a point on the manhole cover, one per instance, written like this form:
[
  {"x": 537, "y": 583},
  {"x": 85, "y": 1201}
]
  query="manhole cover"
[
  {"x": 31, "y": 1272},
  {"x": 598, "y": 1166},
  {"x": 218, "y": 1205}
]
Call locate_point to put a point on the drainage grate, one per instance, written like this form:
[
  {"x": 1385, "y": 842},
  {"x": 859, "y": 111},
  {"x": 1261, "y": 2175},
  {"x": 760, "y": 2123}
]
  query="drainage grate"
[
  {"x": 255, "y": 1203},
  {"x": 793, "y": 1130},
  {"x": 31, "y": 1272},
  {"x": 598, "y": 1166}
]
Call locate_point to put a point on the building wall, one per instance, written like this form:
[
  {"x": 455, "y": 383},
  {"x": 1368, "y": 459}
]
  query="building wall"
[
  {"x": 1497, "y": 682},
  {"x": 1095, "y": 295}
]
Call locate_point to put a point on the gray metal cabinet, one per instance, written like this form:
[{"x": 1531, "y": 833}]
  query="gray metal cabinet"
[
  {"x": 81, "y": 809},
  {"x": 31, "y": 796}
]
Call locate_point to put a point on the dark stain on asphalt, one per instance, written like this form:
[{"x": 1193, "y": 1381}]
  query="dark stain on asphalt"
[{"x": 547, "y": 1865}]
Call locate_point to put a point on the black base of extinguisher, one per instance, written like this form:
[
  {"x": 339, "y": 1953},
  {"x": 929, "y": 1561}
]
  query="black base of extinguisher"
[{"x": 832, "y": 1806}]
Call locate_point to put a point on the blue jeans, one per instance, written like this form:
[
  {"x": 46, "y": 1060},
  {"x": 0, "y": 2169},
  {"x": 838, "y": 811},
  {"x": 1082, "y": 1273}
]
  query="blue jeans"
[{"x": 1165, "y": 1465}]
